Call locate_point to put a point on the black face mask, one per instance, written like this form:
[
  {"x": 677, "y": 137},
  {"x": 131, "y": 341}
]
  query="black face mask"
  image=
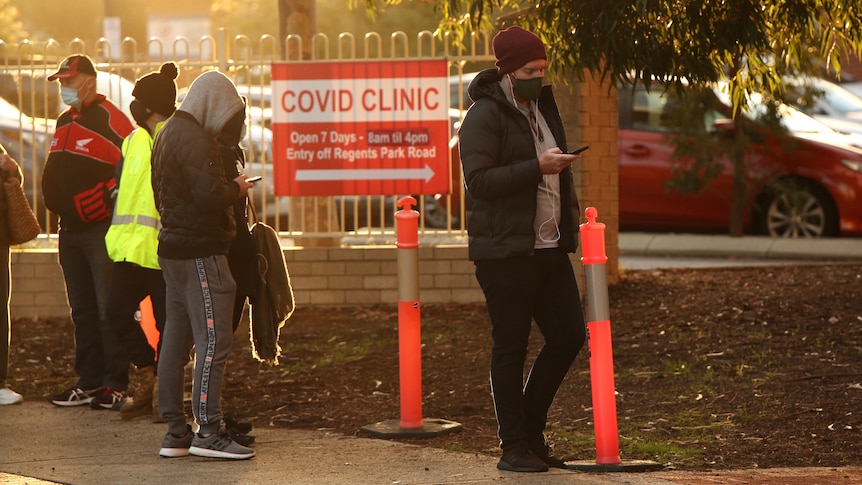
[
  {"x": 529, "y": 89},
  {"x": 139, "y": 112},
  {"x": 232, "y": 132}
]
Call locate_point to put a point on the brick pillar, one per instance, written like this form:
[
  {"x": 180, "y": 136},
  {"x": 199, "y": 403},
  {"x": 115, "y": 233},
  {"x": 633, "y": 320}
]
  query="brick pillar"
[{"x": 589, "y": 111}]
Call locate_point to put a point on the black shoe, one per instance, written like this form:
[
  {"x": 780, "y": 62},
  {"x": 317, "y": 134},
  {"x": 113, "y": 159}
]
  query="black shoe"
[
  {"x": 109, "y": 398},
  {"x": 75, "y": 396},
  {"x": 241, "y": 438},
  {"x": 521, "y": 459},
  {"x": 233, "y": 425},
  {"x": 543, "y": 452}
]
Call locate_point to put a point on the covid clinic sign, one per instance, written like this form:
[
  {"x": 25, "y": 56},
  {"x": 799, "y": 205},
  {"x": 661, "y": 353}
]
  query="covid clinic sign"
[{"x": 361, "y": 127}]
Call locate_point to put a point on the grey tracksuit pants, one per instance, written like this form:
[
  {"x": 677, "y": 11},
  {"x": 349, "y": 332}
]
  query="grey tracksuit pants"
[{"x": 200, "y": 300}]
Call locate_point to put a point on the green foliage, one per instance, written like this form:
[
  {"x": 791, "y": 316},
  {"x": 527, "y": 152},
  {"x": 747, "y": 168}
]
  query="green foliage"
[
  {"x": 752, "y": 44},
  {"x": 10, "y": 25},
  {"x": 255, "y": 18},
  {"x": 410, "y": 17},
  {"x": 49, "y": 19},
  {"x": 251, "y": 18},
  {"x": 697, "y": 143}
]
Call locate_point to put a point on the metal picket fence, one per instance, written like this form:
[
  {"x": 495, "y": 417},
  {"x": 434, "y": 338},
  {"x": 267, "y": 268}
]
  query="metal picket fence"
[{"x": 30, "y": 105}]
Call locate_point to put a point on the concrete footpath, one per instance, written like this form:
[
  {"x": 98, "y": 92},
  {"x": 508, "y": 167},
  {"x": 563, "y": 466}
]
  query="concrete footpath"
[
  {"x": 759, "y": 248},
  {"x": 40, "y": 443}
]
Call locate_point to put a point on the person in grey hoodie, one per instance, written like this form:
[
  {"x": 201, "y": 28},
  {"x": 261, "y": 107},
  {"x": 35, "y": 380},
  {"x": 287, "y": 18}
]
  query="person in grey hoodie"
[{"x": 195, "y": 202}]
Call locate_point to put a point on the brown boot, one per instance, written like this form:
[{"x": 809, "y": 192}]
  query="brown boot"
[
  {"x": 157, "y": 417},
  {"x": 142, "y": 381}
]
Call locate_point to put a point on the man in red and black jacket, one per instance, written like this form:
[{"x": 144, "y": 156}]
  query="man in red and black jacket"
[{"x": 77, "y": 182}]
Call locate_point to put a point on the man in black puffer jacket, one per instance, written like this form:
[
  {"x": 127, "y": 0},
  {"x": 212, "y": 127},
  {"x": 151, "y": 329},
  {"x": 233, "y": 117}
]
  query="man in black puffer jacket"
[
  {"x": 522, "y": 221},
  {"x": 196, "y": 205}
]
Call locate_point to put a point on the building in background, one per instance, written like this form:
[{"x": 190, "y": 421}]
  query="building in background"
[{"x": 168, "y": 20}]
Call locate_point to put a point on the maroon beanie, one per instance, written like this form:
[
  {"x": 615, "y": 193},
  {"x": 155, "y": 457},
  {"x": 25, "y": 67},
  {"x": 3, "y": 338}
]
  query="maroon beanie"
[
  {"x": 515, "y": 47},
  {"x": 158, "y": 90}
]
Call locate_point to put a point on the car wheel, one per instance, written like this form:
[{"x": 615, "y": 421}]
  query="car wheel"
[{"x": 797, "y": 210}]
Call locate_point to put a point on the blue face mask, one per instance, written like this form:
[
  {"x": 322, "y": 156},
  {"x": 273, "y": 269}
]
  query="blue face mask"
[{"x": 69, "y": 96}]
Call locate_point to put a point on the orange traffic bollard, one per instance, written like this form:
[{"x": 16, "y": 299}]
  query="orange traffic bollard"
[
  {"x": 594, "y": 259},
  {"x": 409, "y": 335},
  {"x": 601, "y": 351},
  {"x": 411, "y": 424},
  {"x": 148, "y": 322}
]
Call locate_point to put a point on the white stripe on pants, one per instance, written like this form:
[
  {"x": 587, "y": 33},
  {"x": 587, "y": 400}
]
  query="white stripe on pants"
[{"x": 200, "y": 299}]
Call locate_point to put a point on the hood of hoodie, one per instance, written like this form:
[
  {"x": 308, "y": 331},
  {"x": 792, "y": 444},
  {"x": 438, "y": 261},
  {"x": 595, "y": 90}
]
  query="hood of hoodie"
[
  {"x": 212, "y": 100},
  {"x": 486, "y": 84}
]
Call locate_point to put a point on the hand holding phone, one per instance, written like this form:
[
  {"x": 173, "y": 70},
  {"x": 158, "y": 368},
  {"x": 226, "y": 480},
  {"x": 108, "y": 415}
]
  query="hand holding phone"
[
  {"x": 579, "y": 150},
  {"x": 253, "y": 179}
]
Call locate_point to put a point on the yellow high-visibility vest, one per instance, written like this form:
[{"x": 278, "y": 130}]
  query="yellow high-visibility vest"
[{"x": 134, "y": 231}]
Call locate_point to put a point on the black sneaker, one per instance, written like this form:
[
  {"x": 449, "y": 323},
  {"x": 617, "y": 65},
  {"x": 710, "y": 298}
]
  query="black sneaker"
[
  {"x": 543, "y": 452},
  {"x": 109, "y": 398},
  {"x": 241, "y": 438},
  {"x": 520, "y": 459},
  {"x": 234, "y": 425},
  {"x": 74, "y": 396},
  {"x": 238, "y": 431}
]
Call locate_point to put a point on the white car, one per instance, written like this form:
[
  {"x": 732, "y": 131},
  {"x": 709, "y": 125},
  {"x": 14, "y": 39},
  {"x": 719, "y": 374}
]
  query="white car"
[
  {"x": 832, "y": 104},
  {"x": 854, "y": 87}
]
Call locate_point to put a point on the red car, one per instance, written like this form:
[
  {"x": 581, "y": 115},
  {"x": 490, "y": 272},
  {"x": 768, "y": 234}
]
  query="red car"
[{"x": 822, "y": 170}]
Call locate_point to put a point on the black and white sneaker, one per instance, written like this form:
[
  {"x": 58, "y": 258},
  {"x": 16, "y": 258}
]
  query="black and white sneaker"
[
  {"x": 74, "y": 396},
  {"x": 109, "y": 398}
]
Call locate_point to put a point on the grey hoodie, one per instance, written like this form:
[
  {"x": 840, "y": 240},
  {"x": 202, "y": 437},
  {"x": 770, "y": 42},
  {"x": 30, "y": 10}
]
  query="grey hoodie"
[
  {"x": 212, "y": 100},
  {"x": 193, "y": 195}
]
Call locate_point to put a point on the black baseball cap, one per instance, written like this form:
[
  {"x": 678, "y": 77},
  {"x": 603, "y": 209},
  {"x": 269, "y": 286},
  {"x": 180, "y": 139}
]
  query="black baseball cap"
[{"x": 72, "y": 66}]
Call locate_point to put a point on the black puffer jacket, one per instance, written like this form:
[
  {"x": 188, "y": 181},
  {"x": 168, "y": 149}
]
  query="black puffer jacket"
[
  {"x": 193, "y": 196},
  {"x": 501, "y": 173}
]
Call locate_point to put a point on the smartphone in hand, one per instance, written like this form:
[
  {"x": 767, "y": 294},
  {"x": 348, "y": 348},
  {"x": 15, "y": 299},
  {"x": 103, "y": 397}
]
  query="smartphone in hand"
[
  {"x": 579, "y": 150},
  {"x": 254, "y": 179}
]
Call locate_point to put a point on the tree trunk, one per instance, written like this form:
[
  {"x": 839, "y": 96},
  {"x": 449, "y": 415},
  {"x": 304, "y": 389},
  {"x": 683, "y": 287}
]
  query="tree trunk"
[
  {"x": 296, "y": 17},
  {"x": 740, "y": 189},
  {"x": 307, "y": 214}
]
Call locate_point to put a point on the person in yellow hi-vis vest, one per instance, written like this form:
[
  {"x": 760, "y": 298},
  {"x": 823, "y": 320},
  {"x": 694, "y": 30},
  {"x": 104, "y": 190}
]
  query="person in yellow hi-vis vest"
[{"x": 132, "y": 239}]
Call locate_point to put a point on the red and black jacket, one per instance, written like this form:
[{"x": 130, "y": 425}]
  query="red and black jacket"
[{"x": 79, "y": 174}]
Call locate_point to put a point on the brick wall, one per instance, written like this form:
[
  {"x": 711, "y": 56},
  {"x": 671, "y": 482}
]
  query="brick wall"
[
  {"x": 320, "y": 276},
  {"x": 38, "y": 289},
  {"x": 590, "y": 113}
]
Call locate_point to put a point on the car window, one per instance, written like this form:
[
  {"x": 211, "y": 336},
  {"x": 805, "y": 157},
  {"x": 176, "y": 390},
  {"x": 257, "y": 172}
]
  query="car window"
[
  {"x": 792, "y": 119},
  {"x": 8, "y": 111},
  {"x": 38, "y": 97},
  {"x": 651, "y": 111},
  {"x": 840, "y": 100}
]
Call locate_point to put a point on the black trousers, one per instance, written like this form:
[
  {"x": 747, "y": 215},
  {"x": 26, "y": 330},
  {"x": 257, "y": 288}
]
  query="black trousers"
[
  {"x": 131, "y": 284},
  {"x": 540, "y": 287}
]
